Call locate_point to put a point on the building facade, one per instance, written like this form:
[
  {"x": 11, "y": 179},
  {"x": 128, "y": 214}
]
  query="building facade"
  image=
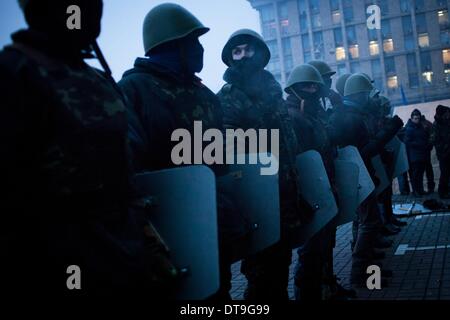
[{"x": 408, "y": 57}]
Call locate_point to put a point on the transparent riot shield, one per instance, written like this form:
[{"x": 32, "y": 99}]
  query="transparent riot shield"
[{"x": 347, "y": 185}]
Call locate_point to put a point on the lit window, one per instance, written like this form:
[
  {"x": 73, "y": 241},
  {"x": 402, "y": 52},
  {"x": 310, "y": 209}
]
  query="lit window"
[
  {"x": 427, "y": 77},
  {"x": 388, "y": 45},
  {"x": 446, "y": 56},
  {"x": 392, "y": 82},
  {"x": 424, "y": 41},
  {"x": 373, "y": 48},
  {"x": 336, "y": 17},
  {"x": 447, "y": 75},
  {"x": 353, "y": 51},
  {"x": 443, "y": 18},
  {"x": 340, "y": 53}
]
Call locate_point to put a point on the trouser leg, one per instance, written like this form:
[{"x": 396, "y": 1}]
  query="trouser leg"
[
  {"x": 430, "y": 176},
  {"x": 444, "y": 178},
  {"x": 267, "y": 273}
]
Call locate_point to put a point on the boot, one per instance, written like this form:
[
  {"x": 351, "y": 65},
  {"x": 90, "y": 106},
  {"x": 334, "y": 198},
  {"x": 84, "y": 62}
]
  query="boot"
[
  {"x": 397, "y": 222},
  {"x": 338, "y": 292},
  {"x": 381, "y": 242},
  {"x": 389, "y": 229}
]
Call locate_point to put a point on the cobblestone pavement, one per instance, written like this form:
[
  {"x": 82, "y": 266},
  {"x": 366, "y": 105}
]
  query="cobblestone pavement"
[{"x": 419, "y": 258}]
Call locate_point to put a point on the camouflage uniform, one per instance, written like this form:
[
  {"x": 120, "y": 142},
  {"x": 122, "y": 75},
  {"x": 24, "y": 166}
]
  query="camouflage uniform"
[
  {"x": 64, "y": 135},
  {"x": 258, "y": 104}
]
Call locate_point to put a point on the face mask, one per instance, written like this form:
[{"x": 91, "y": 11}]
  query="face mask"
[
  {"x": 192, "y": 52},
  {"x": 248, "y": 65},
  {"x": 303, "y": 95}
]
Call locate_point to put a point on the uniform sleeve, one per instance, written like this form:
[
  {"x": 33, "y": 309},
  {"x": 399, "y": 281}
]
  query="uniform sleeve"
[{"x": 233, "y": 111}]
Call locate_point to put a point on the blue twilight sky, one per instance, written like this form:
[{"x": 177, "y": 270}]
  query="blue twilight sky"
[{"x": 121, "y": 38}]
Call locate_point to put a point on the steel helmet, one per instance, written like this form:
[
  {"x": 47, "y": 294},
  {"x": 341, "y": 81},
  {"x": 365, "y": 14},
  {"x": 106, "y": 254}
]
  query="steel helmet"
[
  {"x": 304, "y": 73},
  {"x": 245, "y": 36},
  {"x": 323, "y": 68},
  {"x": 340, "y": 83},
  {"x": 358, "y": 83},
  {"x": 167, "y": 22}
]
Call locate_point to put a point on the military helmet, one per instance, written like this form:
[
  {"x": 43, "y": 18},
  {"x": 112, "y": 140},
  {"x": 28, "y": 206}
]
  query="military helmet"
[
  {"x": 167, "y": 22},
  {"x": 340, "y": 83},
  {"x": 244, "y": 36},
  {"x": 368, "y": 77},
  {"x": 358, "y": 83},
  {"x": 304, "y": 73},
  {"x": 323, "y": 67}
]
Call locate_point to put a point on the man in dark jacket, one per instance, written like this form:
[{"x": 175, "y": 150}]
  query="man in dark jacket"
[
  {"x": 252, "y": 98},
  {"x": 166, "y": 95},
  {"x": 440, "y": 138},
  {"x": 418, "y": 148},
  {"x": 314, "y": 278},
  {"x": 352, "y": 125},
  {"x": 64, "y": 140},
  {"x": 429, "y": 173}
]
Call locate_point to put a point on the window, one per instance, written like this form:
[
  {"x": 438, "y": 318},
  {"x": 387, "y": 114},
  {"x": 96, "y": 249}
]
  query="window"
[
  {"x": 420, "y": 5},
  {"x": 413, "y": 79},
  {"x": 407, "y": 25},
  {"x": 353, "y": 50},
  {"x": 411, "y": 62},
  {"x": 288, "y": 63},
  {"x": 409, "y": 42},
  {"x": 373, "y": 48},
  {"x": 421, "y": 23},
  {"x": 351, "y": 35},
  {"x": 340, "y": 53},
  {"x": 286, "y": 44},
  {"x": 336, "y": 17},
  {"x": 446, "y": 57},
  {"x": 318, "y": 45},
  {"x": 392, "y": 82},
  {"x": 372, "y": 33},
  {"x": 338, "y": 37},
  {"x": 348, "y": 14},
  {"x": 334, "y": 5},
  {"x": 378, "y": 83},
  {"x": 389, "y": 65},
  {"x": 427, "y": 78},
  {"x": 376, "y": 68},
  {"x": 283, "y": 12},
  {"x": 273, "y": 48},
  {"x": 404, "y": 6},
  {"x": 384, "y": 8},
  {"x": 447, "y": 76},
  {"x": 302, "y": 17},
  {"x": 386, "y": 29},
  {"x": 388, "y": 45},
  {"x": 445, "y": 36},
  {"x": 306, "y": 57},
  {"x": 443, "y": 19},
  {"x": 341, "y": 69},
  {"x": 441, "y": 3},
  {"x": 314, "y": 6},
  {"x": 425, "y": 60},
  {"x": 423, "y": 40},
  {"x": 315, "y": 21},
  {"x": 305, "y": 42},
  {"x": 268, "y": 21},
  {"x": 274, "y": 65},
  {"x": 355, "y": 67}
]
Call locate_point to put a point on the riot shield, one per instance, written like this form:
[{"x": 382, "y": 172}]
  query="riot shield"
[
  {"x": 381, "y": 174},
  {"x": 347, "y": 183},
  {"x": 400, "y": 163},
  {"x": 185, "y": 215},
  {"x": 315, "y": 188},
  {"x": 366, "y": 186},
  {"x": 256, "y": 198}
]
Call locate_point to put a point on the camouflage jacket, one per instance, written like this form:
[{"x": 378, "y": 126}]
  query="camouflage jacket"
[
  {"x": 65, "y": 169},
  {"x": 310, "y": 125},
  {"x": 259, "y": 105},
  {"x": 160, "y": 103}
]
